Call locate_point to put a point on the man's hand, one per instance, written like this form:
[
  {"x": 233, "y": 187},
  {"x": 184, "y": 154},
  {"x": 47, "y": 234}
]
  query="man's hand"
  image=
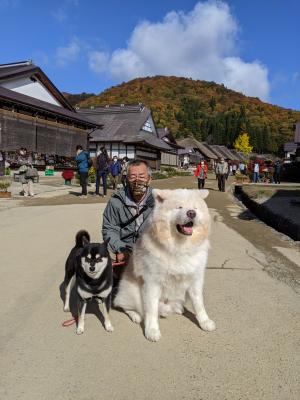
[{"x": 120, "y": 257}]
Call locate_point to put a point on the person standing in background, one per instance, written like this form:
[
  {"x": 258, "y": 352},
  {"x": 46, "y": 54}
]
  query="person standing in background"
[
  {"x": 276, "y": 173},
  {"x": 115, "y": 170},
  {"x": 2, "y": 163},
  {"x": 221, "y": 173},
  {"x": 201, "y": 174},
  {"x": 124, "y": 171},
  {"x": 255, "y": 172},
  {"x": 82, "y": 159},
  {"x": 102, "y": 168}
]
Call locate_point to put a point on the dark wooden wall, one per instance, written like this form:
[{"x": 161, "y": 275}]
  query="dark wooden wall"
[{"x": 16, "y": 132}]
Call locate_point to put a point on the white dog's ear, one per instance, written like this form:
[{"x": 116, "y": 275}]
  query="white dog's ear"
[
  {"x": 158, "y": 195},
  {"x": 203, "y": 193}
]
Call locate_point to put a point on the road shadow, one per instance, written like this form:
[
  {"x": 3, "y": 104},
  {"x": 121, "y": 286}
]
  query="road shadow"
[{"x": 191, "y": 316}]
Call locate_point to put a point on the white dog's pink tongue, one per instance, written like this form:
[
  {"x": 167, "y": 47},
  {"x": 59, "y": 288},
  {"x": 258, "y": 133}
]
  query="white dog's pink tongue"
[{"x": 188, "y": 230}]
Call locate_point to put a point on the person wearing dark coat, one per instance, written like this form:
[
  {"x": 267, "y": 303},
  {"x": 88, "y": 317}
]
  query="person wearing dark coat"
[
  {"x": 115, "y": 170},
  {"x": 276, "y": 173},
  {"x": 82, "y": 160},
  {"x": 102, "y": 171}
]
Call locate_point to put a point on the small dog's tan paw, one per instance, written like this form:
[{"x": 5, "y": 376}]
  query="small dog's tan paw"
[
  {"x": 79, "y": 330},
  {"x": 108, "y": 327},
  {"x": 153, "y": 335},
  {"x": 66, "y": 309},
  {"x": 208, "y": 325}
]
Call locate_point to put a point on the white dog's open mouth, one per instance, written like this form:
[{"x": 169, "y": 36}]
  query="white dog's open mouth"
[{"x": 186, "y": 229}]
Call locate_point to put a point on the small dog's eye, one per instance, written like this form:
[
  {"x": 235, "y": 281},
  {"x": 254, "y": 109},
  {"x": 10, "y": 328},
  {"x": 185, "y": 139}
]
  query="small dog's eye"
[
  {"x": 179, "y": 207},
  {"x": 99, "y": 259}
]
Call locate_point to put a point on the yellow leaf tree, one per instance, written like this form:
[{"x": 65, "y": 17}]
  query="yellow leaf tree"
[{"x": 242, "y": 144}]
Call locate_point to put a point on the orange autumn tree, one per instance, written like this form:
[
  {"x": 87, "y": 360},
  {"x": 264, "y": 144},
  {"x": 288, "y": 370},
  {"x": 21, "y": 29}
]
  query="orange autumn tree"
[{"x": 242, "y": 143}]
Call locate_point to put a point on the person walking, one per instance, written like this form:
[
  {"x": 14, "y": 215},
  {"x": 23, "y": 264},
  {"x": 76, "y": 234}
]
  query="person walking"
[
  {"x": 256, "y": 172},
  {"x": 124, "y": 166},
  {"x": 276, "y": 173},
  {"x": 83, "y": 163},
  {"x": 27, "y": 173},
  {"x": 234, "y": 168},
  {"x": 102, "y": 162},
  {"x": 201, "y": 174},
  {"x": 221, "y": 172},
  {"x": 115, "y": 170},
  {"x": 2, "y": 163}
]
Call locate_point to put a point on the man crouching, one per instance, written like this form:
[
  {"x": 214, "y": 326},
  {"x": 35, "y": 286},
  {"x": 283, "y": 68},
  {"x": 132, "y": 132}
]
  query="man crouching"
[{"x": 127, "y": 210}]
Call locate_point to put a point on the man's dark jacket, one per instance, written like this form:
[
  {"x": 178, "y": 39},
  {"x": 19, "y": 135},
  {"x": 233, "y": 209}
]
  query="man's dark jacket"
[{"x": 117, "y": 214}]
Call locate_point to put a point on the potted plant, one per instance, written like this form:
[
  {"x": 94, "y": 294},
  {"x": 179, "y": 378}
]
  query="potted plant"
[
  {"x": 4, "y": 185},
  {"x": 68, "y": 175}
]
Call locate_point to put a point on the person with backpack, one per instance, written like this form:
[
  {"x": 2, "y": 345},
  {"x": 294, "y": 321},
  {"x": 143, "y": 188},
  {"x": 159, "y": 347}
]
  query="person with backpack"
[
  {"x": 27, "y": 173},
  {"x": 101, "y": 171},
  {"x": 84, "y": 162}
]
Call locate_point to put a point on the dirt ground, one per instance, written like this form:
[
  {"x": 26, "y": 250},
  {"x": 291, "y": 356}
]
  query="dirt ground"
[{"x": 251, "y": 291}]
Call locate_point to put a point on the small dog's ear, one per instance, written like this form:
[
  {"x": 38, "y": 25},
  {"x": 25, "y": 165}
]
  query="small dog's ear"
[
  {"x": 85, "y": 240},
  {"x": 158, "y": 195}
]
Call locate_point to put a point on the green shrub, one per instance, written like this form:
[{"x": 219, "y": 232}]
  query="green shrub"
[
  {"x": 4, "y": 185},
  {"x": 158, "y": 175}
]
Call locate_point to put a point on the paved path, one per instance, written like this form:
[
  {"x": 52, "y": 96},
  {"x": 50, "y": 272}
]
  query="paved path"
[{"x": 253, "y": 354}]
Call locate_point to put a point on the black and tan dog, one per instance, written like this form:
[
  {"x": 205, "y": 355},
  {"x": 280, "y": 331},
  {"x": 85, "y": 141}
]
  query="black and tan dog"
[{"x": 89, "y": 267}]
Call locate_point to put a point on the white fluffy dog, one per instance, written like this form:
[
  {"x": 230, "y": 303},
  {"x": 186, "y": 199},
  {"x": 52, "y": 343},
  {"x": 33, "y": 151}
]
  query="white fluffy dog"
[{"x": 168, "y": 261}]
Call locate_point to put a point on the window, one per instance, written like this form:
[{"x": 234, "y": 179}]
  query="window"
[{"x": 147, "y": 126}]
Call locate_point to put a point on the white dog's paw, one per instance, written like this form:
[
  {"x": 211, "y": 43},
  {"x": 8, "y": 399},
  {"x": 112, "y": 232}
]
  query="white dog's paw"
[
  {"x": 108, "y": 326},
  {"x": 164, "y": 310},
  {"x": 79, "y": 330},
  {"x": 134, "y": 316},
  {"x": 178, "y": 309},
  {"x": 153, "y": 334},
  {"x": 207, "y": 325},
  {"x": 66, "y": 308}
]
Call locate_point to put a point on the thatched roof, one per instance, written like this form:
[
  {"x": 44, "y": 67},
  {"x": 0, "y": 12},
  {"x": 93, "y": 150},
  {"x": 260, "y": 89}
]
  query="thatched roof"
[{"x": 191, "y": 142}]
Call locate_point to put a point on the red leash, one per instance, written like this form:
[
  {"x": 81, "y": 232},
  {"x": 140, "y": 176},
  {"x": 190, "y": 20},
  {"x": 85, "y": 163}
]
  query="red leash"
[{"x": 73, "y": 320}]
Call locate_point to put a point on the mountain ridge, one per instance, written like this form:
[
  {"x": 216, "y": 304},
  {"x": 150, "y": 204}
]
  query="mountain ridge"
[{"x": 207, "y": 110}]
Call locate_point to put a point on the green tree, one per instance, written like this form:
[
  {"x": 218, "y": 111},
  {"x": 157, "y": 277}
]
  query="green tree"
[{"x": 242, "y": 143}]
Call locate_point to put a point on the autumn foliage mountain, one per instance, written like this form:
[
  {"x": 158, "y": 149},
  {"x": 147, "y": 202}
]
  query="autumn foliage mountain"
[{"x": 206, "y": 110}]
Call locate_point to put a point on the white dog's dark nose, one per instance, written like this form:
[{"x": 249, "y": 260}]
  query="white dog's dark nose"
[
  {"x": 92, "y": 268},
  {"x": 191, "y": 214}
]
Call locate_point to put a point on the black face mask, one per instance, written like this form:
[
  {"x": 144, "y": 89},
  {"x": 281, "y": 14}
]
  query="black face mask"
[{"x": 138, "y": 188}]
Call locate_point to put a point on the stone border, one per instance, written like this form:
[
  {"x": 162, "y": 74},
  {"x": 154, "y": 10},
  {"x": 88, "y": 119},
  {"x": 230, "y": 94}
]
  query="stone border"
[{"x": 263, "y": 212}]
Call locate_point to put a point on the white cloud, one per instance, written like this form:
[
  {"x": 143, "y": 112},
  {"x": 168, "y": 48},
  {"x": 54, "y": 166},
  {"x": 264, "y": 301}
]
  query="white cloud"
[
  {"x": 201, "y": 44},
  {"x": 68, "y": 54},
  {"x": 98, "y": 61},
  {"x": 60, "y": 15}
]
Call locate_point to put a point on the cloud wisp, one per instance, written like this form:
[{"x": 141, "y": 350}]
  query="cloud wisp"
[
  {"x": 200, "y": 44},
  {"x": 68, "y": 54}
]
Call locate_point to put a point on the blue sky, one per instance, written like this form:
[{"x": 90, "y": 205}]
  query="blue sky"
[{"x": 89, "y": 45}]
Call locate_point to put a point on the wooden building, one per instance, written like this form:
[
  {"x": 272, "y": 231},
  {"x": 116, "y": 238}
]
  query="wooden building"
[
  {"x": 169, "y": 158},
  {"x": 128, "y": 130},
  {"x": 35, "y": 115}
]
